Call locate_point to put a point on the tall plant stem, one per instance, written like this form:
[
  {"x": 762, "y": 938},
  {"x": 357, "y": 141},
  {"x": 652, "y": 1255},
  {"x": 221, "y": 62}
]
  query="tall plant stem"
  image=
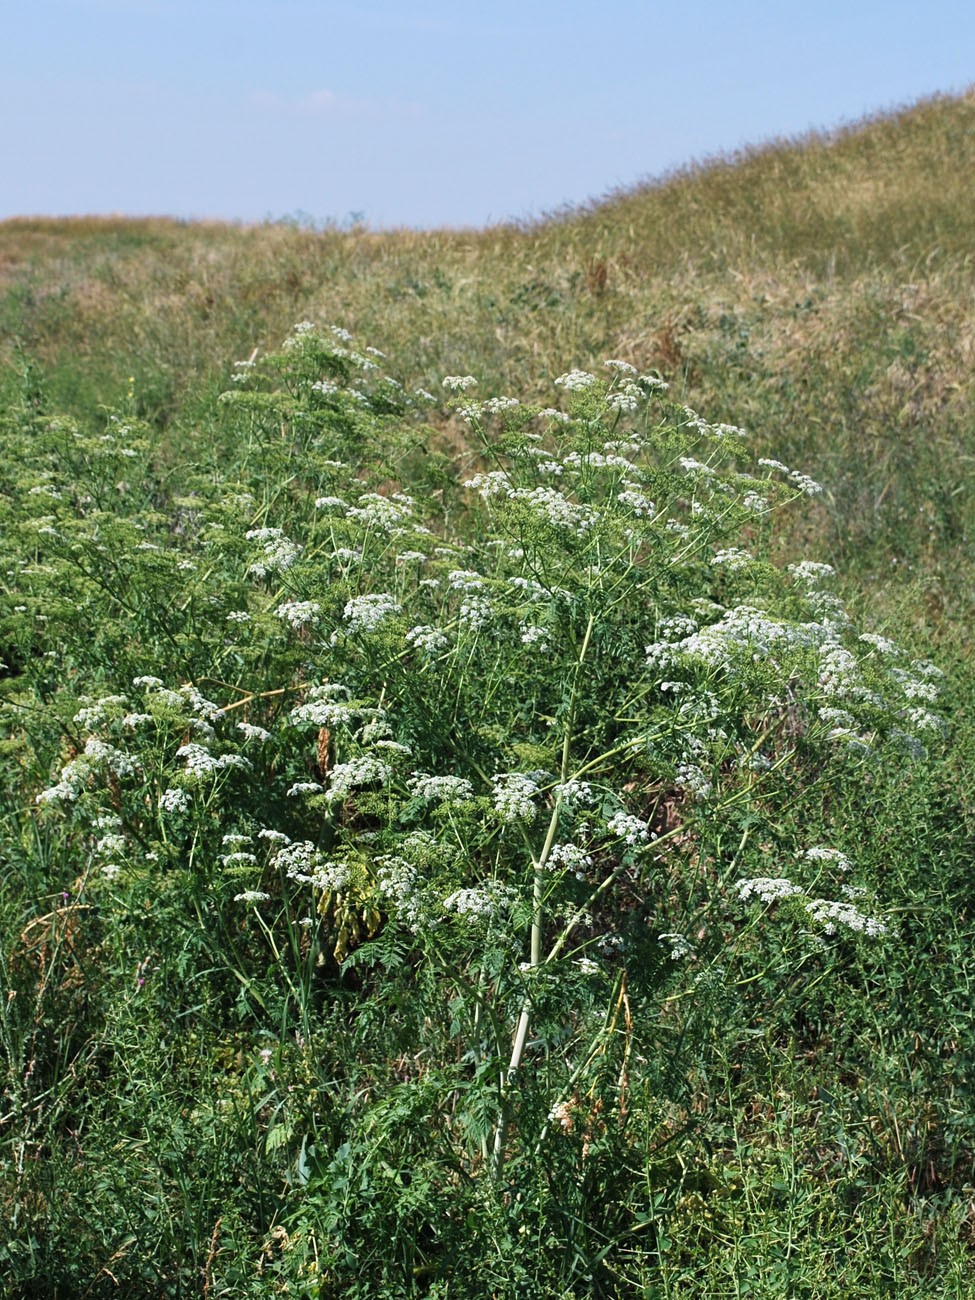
[{"x": 538, "y": 900}]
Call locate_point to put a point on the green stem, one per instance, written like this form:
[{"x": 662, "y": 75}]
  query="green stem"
[{"x": 538, "y": 896}]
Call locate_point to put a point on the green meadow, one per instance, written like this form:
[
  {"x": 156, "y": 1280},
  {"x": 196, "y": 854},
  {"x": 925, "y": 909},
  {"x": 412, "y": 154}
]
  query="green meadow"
[{"x": 486, "y": 726}]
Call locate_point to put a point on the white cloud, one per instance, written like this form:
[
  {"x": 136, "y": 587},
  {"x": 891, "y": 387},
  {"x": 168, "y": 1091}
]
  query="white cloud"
[{"x": 320, "y": 103}]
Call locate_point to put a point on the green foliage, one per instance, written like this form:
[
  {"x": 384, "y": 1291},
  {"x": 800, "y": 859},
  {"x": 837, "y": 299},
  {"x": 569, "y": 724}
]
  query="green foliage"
[{"x": 491, "y": 873}]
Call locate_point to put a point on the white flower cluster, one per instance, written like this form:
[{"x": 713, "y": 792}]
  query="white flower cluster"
[
  {"x": 805, "y": 484},
  {"x": 627, "y": 398},
  {"x": 679, "y": 945},
  {"x": 459, "y": 383},
  {"x": 834, "y": 858},
  {"x": 552, "y": 508},
  {"x": 832, "y": 914},
  {"x": 574, "y": 380},
  {"x": 323, "y": 713},
  {"x": 298, "y": 860},
  {"x": 569, "y": 857},
  {"x": 725, "y": 432},
  {"x": 476, "y": 612},
  {"x": 367, "y": 769},
  {"x": 733, "y": 558},
  {"x": 492, "y": 484},
  {"x": 175, "y": 800},
  {"x": 250, "y": 732},
  {"x": 386, "y": 513},
  {"x": 369, "y": 613},
  {"x": 480, "y": 906},
  {"x": 299, "y": 613},
  {"x": 77, "y": 771},
  {"x": 575, "y": 794},
  {"x": 200, "y": 762},
  {"x": 428, "y": 639},
  {"x": 692, "y": 779},
  {"x": 636, "y": 503},
  {"x": 768, "y": 889},
  {"x": 495, "y": 405},
  {"x": 513, "y": 794},
  {"x": 531, "y": 634},
  {"x": 631, "y": 829},
  {"x": 810, "y": 571},
  {"x": 94, "y": 713},
  {"x": 279, "y": 552},
  {"x": 133, "y": 720},
  {"x": 440, "y": 789}
]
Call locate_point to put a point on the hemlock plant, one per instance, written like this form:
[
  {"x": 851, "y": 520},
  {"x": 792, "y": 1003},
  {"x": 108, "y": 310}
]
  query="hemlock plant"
[{"x": 467, "y": 741}]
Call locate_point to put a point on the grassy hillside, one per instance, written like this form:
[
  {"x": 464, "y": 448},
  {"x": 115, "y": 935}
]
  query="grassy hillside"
[
  {"x": 270, "y": 1030},
  {"x": 818, "y": 293}
]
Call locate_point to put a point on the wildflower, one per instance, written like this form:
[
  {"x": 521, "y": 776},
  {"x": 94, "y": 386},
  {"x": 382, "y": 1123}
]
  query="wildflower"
[
  {"x": 273, "y": 836},
  {"x": 570, "y": 857},
  {"x": 818, "y": 853},
  {"x": 174, "y": 800},
  {"x": 376, "y": 511},
  {"x": 678, "y": 944},
  {"x": 807, "y": 486},
  {"x": 831, "y": 914},
  {"x": 279, "y": 552},
  {"x": 768, "y": 889},
  {"x": 440, "y": 789},
  {"x": 636, "y": 503},
  {"x": 476, "y": 612},
  {"x": 631, "y": 829},
  {"x": 480, "y": 905},
  {"x": 368, "y": 613},
  {"x": 299, "y": 613},
  {"x": 303, "y": 787},
  {"x": 513, "y": 794},
  {"x": 426, "y": 638},
  {"x": 364, "y": 770},
  {"x": 691, "y": 778},
  {"x": 495, "y": 405},
  {"x": 575, "y": 380},
  {"x": 459, "y": 383},
  {"x": 575, "y": 793},
  {"x": 201, "y": 762},
  {"x": 628, "y": 398},
  {"x": 810, "y": 571},
  {"x": 250, "y": 732},
  {"x": 732, "y": 558},
  {"x": 251, "y": 896}
]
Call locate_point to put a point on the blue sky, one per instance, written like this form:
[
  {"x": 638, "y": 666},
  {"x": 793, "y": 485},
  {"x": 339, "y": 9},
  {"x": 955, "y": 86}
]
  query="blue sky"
[{"x": 425, "y": 112}]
